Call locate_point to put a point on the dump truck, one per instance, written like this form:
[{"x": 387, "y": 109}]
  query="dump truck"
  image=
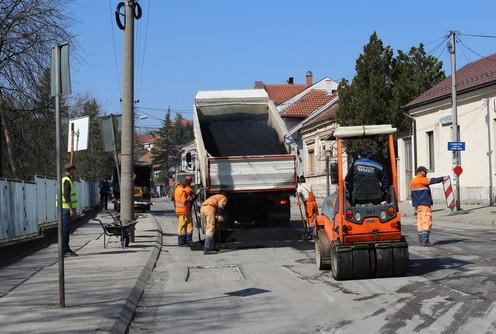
[
  {"x": 361, "y": 240},
  {"x": 143, "y": 175},
  {"x": 244, "y": 150}
]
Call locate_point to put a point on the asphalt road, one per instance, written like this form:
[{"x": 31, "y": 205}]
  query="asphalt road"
[{"x": 268, "y": 282}]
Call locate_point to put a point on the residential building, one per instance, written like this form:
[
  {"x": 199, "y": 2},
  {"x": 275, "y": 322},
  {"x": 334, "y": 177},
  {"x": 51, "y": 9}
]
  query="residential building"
[{"x": 432, "y": 123}]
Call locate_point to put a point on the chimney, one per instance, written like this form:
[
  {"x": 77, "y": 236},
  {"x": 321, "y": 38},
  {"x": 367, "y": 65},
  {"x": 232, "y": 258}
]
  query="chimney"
[
  {"x": 309, "y": 78},
  {"x": 290, "y": 81}
]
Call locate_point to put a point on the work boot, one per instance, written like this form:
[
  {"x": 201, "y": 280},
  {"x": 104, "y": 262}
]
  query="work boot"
[
  {"x": 425, "y": 238},
  {"x": 209, "y": 247},
  {"x": 70, "y": 252},
  {"x": 419, "y": 237},
  {"x": 181, "y": 239},
  {"x": 310, "y": 232}
]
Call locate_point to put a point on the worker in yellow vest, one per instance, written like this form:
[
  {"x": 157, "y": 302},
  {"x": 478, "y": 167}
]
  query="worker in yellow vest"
[{"x": 69, "y": 205}]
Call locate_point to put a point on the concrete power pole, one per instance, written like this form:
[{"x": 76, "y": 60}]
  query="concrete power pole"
[
  {"x": 454, "y": 121},
  {"x": 127, "y": 141}
]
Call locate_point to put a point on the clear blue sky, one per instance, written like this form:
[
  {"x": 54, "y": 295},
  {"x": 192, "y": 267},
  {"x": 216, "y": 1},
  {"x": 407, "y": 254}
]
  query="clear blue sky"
[{"x": 189, "y": 45}]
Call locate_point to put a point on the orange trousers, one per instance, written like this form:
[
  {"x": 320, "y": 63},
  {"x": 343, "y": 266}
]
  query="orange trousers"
[
  {"x": 311, "y": 212},
  {"x": 424, "y": 218}
]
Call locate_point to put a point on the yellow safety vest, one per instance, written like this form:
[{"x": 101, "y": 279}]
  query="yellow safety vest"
[{"x": 74, "y": 200}]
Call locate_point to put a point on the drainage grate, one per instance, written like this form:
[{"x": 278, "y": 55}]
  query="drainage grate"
[{"x": 221, "y": 273}]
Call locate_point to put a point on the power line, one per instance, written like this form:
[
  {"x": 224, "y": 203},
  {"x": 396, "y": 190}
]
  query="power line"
[
  {"x": 186, "y": 111},
  {"x": 483, "y": 36},
  {"x": 144, "y": 48},
  {"x": 115, "y": 52}
]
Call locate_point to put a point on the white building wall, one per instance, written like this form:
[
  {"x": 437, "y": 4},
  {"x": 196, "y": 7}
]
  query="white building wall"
[{"x": 478, "y": 163}]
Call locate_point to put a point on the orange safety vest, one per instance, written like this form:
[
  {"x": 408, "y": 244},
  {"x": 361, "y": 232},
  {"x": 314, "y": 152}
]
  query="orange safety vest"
[
  {"x": 182, "y": 204},
  {"x": 216, "y": 201}
]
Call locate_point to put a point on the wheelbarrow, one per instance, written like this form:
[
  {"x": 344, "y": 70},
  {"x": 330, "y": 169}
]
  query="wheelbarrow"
[{"x": 123, "y": 230}]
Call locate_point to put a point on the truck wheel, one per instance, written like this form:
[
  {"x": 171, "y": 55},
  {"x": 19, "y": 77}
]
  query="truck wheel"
[
  {"x": 342, "y": 262},
  {"x": 322, "y": 251}
]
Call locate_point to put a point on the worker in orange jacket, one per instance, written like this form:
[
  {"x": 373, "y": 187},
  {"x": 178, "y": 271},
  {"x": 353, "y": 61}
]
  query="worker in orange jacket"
[
  {"x": 422, "y": 201},
  {"x": 182, "y": 204},
  {"x": 210, "y": 207},
  {"x": 189, "y": 215},
  {"x": 304, "y": 193}
]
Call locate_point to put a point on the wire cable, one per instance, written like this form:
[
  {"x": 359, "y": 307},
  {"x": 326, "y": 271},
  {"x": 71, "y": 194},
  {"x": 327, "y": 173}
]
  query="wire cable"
[
  {"x": 115, "y": 52},
  {"x": 144, "y": 48}
]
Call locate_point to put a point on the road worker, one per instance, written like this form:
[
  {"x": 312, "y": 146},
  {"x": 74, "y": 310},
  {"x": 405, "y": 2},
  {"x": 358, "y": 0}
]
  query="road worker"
[
  {"x": 210, "y": 207},
  {"x": 367, "y": 180},
  {"x": 189, "y": 215},
  {"x": 182, "y": 204},
  {"x": 69, "y": 205},
  {"x": 304, "y": 193},
  {"x": 422, "y": 201}
]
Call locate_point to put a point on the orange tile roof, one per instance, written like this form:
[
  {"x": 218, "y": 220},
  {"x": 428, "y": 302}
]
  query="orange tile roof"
[
  {"x": 327, "y": 115},
  {"x": 147, "y": 157},
  {"x": 282, "y": 92},
  {"x": 140, "y": 140},
  {"x": 474, "y": 75},
  {"x": 307, "y": 104}
]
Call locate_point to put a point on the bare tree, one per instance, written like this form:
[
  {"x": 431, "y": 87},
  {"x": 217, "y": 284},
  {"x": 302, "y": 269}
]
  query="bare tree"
[{"x": 28, "y": 31}]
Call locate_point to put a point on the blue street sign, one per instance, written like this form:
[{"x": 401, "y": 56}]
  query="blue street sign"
[{"x": 456, "y": 146}]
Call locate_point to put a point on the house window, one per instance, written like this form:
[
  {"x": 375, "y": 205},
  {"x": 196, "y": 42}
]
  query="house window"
[
  {"x": 430, "y": 149},
  {"x": 311, "y": 161}
]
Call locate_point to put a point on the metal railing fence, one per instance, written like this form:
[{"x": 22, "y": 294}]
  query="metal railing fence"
[{"x": 26, "y": 205}]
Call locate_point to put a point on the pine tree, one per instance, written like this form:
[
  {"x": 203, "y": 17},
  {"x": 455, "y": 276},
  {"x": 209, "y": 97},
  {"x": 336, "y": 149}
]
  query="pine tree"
[
  {"x": 413, "y": 74},
  {"x": 381, "y": 87},
  {"x": 165, "y": 151},
  {"x": 182, "y": 131},
  {"x": 367, "y": 99}
]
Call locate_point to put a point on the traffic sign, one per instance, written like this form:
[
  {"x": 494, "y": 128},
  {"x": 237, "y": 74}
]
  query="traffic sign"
[
  {"x": 448, "y": 193},
  {"x": 456, "y": 146},
  {"x": 458, "y": 170}
]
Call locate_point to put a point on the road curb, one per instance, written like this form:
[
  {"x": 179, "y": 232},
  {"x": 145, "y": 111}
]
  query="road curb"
[{"x": 126, "y": 315}]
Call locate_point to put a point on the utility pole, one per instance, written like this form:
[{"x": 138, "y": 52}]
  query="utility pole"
[
  {"x": 455, "y": 135},
  {"x": 127, "y": 141}
]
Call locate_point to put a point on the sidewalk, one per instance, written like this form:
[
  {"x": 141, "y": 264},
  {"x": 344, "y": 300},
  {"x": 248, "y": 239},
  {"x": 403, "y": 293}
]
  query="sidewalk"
[
  {"x": 481, "y": 215},
  {"x": 102, "y": 286}
]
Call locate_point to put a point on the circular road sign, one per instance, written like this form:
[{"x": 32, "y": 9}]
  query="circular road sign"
[{"x": 458, "y": 170}]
